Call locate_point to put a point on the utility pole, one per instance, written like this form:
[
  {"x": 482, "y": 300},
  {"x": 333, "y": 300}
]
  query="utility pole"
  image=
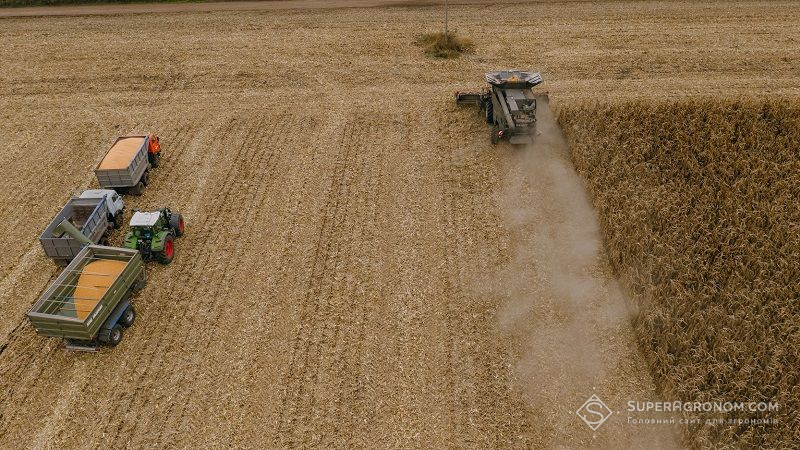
[{"x": 445, "y": 20}]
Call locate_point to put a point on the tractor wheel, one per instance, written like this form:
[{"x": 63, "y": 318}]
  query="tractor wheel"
[
  {"x": 165, "y": 256},
  {"x": 177, "y": 224},
  {"x": 138, "y": 189},
  {"x": 155, "y": 160},
  {"x": 118, "y": 220},
  {"x": 490, "y": 112},
  {"x": 128, "y": 317},
  {"x": 495, "y": 137}
]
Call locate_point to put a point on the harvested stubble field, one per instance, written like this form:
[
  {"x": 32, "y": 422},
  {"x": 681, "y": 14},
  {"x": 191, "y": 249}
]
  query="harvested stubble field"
[{"x": 361, "y": 267}]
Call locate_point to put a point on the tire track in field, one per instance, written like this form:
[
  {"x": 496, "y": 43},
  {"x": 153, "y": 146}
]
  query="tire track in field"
[
  {"x": 231, "y": 208},
  {"x": 338, "y": 351},
  {"x": 154, "y": 328},
  {"x": 162, "y": 331},
  {"x": 234, "y": 181},
  {"x": 297, "y": 397},
  {"x": 273, "y": 174},
  {"x": 483, "y": 403},
  {"x": 262, "y": 165},
  {"x": 453, "y": 292},
  {"x": 290, "y": 214},
  {"x": 349, "y": 374}
]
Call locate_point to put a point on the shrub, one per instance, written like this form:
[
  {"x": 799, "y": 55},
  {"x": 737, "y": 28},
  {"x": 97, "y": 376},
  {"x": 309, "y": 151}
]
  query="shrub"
[{"x": 444, "y": 45}]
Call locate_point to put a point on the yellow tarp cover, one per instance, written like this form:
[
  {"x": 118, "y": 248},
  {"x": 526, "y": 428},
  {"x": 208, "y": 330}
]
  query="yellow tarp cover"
[
  {"x": 95, "y": 279},
  {"x": 122, "y": 153}
]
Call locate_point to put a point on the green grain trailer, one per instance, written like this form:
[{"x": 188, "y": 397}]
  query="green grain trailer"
[{"x": 89, "y": 303}]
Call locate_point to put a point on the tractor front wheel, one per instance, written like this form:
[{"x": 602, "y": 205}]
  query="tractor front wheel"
[
  {"x": 177, "y": 224},
  {"x": 166, "y": 255}
]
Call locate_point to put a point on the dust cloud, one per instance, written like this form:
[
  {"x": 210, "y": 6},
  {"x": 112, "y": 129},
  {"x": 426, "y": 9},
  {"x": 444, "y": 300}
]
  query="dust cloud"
[
  {"x": 553, "y": 282},
  {"x": 563, "y": 310}
]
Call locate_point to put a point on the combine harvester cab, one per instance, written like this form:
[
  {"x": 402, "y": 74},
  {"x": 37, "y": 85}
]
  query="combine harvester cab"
[
  {"x": 126, "y": 166},
  {"x": 93, "y": 214},
  {"x": 89, "y": 303},
  {"x": 509, "y": 104}
]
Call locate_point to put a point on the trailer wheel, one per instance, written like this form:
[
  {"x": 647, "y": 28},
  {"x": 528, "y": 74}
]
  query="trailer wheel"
[
  {"x": 115, "y": 336},
  {"x": 145, "y": 178},
  {"x": 177, "y": 224},
  {"x": 168, "y": 254},
  {"x": 104, "y": 241},
  {"x": 138, "y": 189},
  {"x": 128, "y": 317}
]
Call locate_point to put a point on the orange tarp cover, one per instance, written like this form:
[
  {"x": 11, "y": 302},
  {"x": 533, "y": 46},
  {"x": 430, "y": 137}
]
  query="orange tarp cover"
[
  {"x": 95, "y": 279},
  {"x": 122, "y": 153}
]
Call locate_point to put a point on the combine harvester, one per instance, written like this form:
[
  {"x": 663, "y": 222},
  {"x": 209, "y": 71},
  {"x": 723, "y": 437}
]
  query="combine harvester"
[
  {"x": 126, "y": 166},
  {"x": 93, "y": 215},
  {"x": 509, "y": 104}
]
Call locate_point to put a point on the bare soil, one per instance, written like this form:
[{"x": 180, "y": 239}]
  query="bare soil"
[{"x": 354, "y": 271}]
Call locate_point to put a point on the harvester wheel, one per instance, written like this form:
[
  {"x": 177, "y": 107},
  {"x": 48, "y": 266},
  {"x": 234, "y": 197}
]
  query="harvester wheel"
[
  {"x": 166, "y": 256},
  {"x": 495, "y": 134},
  {"x": 489, "y": 112},
  {"x": 128, "y": 317},
  {"x": 114, "y": 336},
  {"x": 138, "y": 189},
  {"x": 177, "y": 224}
]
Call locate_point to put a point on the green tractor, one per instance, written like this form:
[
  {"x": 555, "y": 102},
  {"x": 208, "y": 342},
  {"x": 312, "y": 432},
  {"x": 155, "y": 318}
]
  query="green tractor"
[{"x": 153, "y": 233}]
